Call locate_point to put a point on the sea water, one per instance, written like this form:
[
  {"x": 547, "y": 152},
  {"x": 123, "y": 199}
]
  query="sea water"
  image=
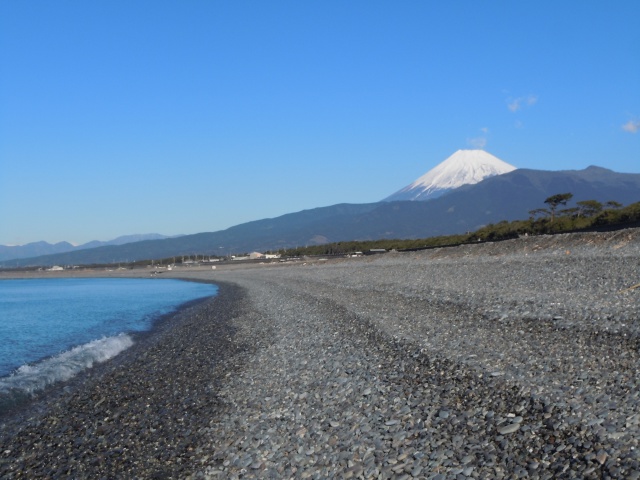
[{"x": 52, "y": 329}]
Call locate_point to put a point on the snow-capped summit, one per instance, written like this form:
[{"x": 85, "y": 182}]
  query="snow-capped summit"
[{"x": 465, "y": 167}]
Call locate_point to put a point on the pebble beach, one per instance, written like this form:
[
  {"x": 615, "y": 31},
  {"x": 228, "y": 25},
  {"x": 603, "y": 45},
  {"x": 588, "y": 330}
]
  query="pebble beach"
[{"x": 516, "y": 359}]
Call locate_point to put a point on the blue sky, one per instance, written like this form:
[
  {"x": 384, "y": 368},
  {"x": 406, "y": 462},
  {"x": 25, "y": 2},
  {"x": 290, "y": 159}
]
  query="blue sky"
[{"x": 182, "y": 117}]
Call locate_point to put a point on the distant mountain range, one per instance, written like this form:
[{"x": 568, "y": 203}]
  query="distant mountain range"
[
  {"x": 9, "y": 252},
  {"x": 506, "y": 196}
]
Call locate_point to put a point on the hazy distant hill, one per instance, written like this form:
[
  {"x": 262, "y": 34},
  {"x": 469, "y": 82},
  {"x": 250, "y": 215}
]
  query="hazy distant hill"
[
  {"x": 509, "y": 196},
  {"x": 285, "y": 231},
  {"x": 8, "y": 252}
]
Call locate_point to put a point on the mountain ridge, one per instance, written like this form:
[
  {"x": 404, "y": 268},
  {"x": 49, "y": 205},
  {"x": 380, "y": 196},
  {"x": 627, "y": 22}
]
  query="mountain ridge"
[
  {"x": 508, "y": 196},
  {"x": 40, "y": 248}
]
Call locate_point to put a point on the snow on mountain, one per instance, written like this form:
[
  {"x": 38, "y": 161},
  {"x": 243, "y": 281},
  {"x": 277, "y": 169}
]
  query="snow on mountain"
[{"x": 465, "y": 167}]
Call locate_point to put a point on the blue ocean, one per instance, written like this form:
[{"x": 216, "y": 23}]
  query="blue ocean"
[{"x": 52, "y": 329}]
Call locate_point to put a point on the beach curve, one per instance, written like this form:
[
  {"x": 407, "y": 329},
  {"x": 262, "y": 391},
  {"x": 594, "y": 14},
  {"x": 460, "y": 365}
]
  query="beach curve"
[{"x": 482, "y": 361}]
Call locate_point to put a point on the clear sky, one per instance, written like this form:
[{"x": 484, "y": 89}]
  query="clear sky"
[{"x": 122, "y": 117}]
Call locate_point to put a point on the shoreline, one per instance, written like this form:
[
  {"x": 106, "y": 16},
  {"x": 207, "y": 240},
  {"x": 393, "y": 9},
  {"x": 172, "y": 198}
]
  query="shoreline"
[
  {"x": 39, "y": 398},
  {"x": 490, "y": 361},
  {"x": 25, "y": 401},
  {"x": 97, "y": 390}
]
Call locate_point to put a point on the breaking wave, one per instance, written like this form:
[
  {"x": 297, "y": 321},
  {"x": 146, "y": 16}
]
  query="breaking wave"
[{"x": 28, "y": 379}]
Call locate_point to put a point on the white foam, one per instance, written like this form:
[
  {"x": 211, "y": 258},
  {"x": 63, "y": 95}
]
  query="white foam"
[{"x": 30, "y": 378}]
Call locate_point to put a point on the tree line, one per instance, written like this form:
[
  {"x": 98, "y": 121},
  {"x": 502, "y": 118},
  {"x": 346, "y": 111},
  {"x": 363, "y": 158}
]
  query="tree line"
[
  {"x": 584, "y": 208},
  {"x": 586, "y": 215}
]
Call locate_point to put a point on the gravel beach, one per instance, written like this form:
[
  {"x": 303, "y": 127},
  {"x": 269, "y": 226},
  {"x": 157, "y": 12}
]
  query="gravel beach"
[{"x": 516, "y": 359}]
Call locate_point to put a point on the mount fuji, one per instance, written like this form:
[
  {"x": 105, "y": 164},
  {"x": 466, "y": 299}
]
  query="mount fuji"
[
  {"x": 499, "y": 196},
  {"x": 465, "y": 167}
]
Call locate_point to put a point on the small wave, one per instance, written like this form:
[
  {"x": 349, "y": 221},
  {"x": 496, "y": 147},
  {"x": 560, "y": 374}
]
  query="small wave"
[{"x": 31, "y": 378}]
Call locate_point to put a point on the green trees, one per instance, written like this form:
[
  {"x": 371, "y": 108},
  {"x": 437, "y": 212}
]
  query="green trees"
[
  {"x": 583, "y": 208},
  {"x": 543, "y": 212},
  {"x": 585, "y": 214},
  {"x": 554, "y": 201},
  {"x": 589, "y": 208}
]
